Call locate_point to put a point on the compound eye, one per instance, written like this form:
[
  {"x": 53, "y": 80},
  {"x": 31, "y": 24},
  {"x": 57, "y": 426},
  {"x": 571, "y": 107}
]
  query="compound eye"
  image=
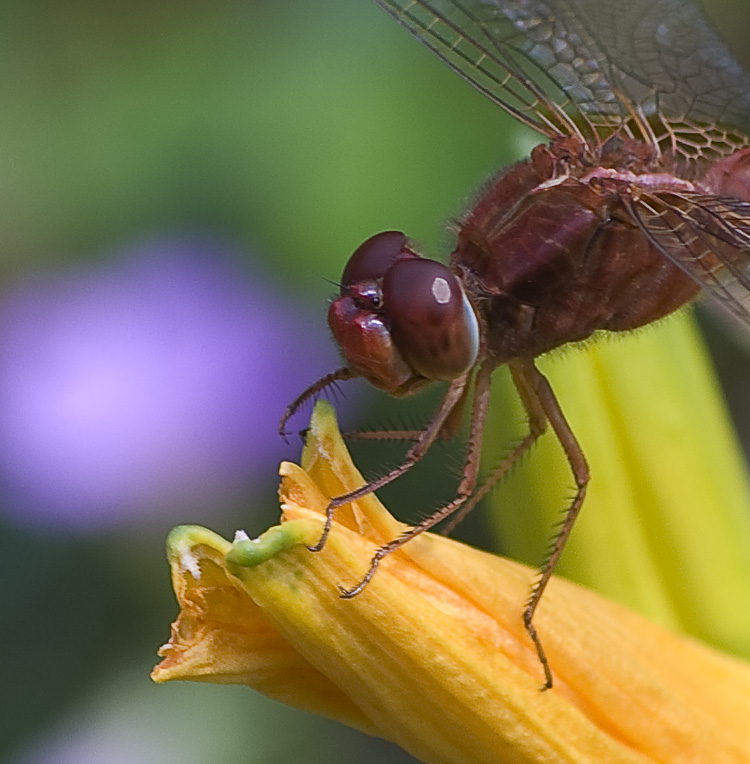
[
  {"x": 373, "y": 258},
  {"x": 432, "y": 323}
]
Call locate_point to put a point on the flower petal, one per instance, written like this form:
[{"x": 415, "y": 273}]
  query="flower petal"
[
  {"x": 433, "y": 654},
  {"x": 222, "y": 636}
]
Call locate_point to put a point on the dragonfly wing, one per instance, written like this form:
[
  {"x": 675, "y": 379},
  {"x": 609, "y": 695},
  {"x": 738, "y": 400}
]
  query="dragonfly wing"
[
  {"x": 588, "y": 67},
  {"x": 708, "y": 237}
]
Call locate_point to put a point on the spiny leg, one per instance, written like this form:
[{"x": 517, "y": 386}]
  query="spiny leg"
[
  {"x": 340, "y": 375},
  {"x": 537, "y": 425},
  {"x": 524, "y": 445},
  {"x": 450, "y": 427},
  {"x": 539, "y": 399},
  {"x": 412, "y": 435},
  {"x": 413, "y": 456},
  {"x": 465, "y": 488}
]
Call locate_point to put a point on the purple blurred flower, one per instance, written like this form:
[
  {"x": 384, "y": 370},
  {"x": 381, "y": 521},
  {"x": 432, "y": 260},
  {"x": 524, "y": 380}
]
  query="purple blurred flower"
[{"x": 152, "y": 384}]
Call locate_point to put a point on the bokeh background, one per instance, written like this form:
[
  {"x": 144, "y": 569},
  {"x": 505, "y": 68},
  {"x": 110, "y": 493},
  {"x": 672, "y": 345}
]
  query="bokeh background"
[{"x": 180, "y": 184}]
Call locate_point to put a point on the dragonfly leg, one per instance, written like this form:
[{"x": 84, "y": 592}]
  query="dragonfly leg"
[
  {"x": 465, "y": 489},
  {"x": 340, "y": 375},
  {"x": 449, "y": 429},
  {"x": 540, "y": 400},
  {"x": 414, "y": 455}
]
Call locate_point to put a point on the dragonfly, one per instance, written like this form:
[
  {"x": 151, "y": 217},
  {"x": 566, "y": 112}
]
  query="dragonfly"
[{"x": 636, "y": 200}]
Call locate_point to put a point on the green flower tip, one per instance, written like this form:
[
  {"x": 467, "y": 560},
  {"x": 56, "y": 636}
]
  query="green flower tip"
[
  {"x": 183, "y": 543},
  {"x": 247, "y": 552}
]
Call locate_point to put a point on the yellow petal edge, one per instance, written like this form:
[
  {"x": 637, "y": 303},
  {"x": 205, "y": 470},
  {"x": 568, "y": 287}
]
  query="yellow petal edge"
[{"x": 433, "y": 654}]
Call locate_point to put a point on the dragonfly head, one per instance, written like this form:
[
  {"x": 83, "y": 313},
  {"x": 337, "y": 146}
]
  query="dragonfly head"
[{"x": 402, "y": 320}]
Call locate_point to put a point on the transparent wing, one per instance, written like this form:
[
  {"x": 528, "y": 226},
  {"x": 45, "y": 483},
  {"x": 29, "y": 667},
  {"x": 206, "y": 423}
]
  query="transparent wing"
[
  {"x": 654, "y": 69},
  {"x": 708, "y": 237}
]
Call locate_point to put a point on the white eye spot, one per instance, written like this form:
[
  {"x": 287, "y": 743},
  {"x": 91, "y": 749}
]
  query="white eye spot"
[{"x": 441, "y": 290}]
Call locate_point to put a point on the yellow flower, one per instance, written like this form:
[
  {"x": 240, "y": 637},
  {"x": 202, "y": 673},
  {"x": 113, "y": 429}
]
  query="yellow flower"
[{"x": 433, "y": 654}]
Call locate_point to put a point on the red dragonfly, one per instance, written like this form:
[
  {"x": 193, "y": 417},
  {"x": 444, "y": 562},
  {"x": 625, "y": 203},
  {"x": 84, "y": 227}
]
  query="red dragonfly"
[{"x": 638, "y": 200}]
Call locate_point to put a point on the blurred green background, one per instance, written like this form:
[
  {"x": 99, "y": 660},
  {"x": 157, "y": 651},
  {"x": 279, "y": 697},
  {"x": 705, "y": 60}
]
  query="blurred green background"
[{"x": 293, "y": 130}]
